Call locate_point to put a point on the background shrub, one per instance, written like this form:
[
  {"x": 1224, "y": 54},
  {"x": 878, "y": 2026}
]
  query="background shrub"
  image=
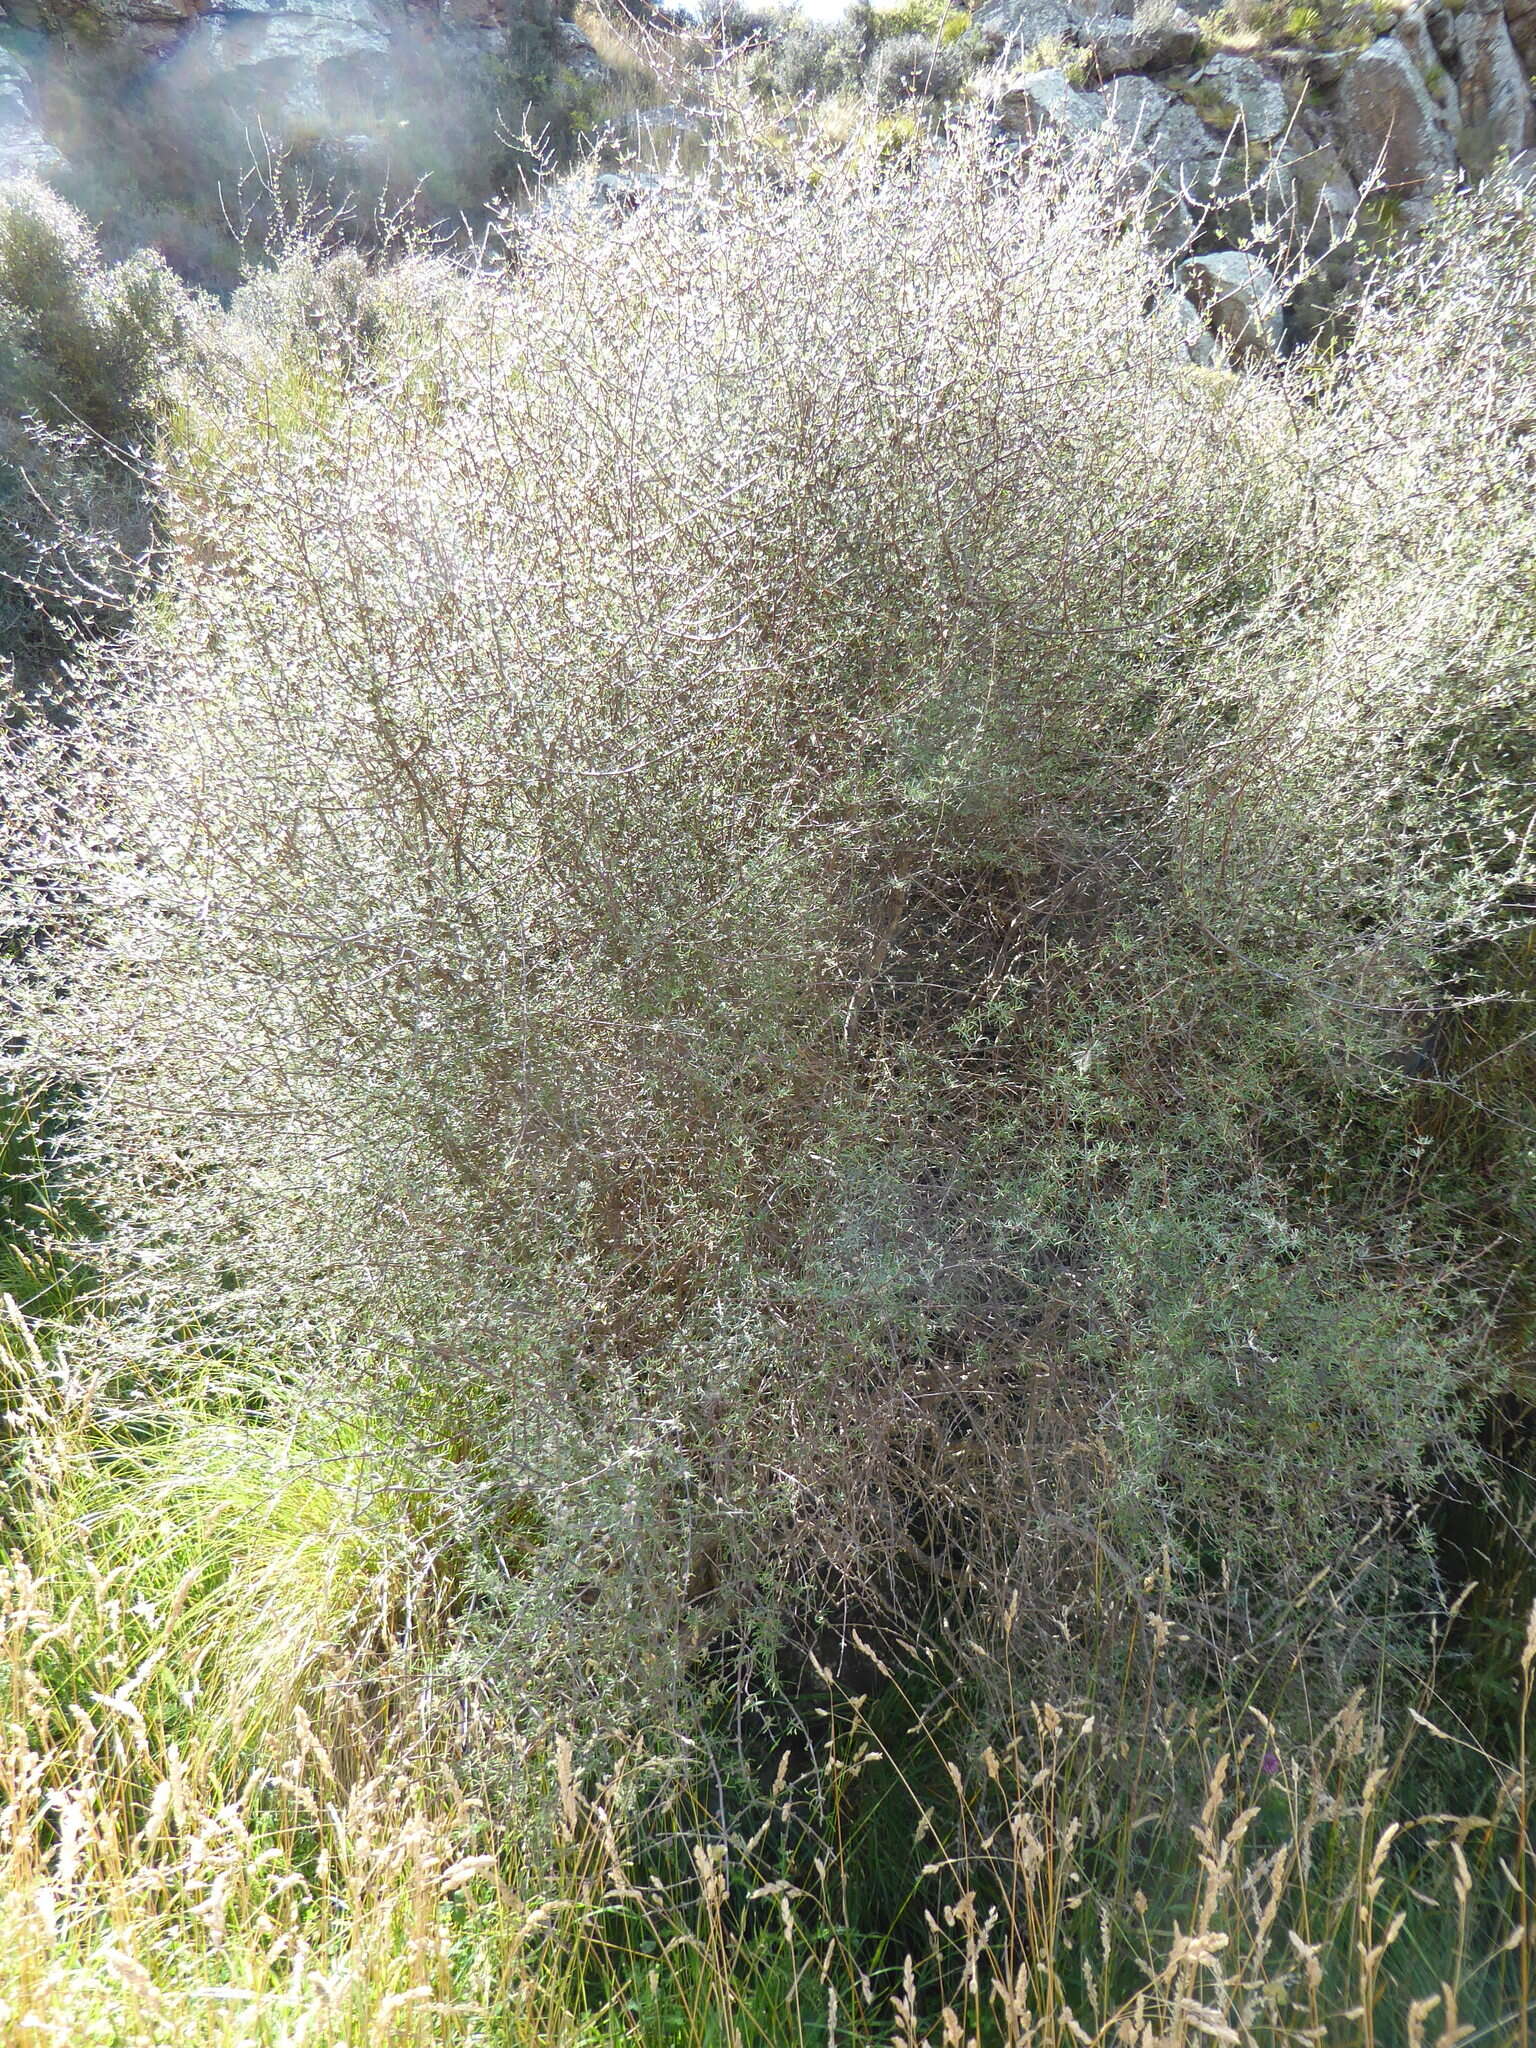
[
  {"x": 935, "y": 20},
  {"x": 86, "y": 345},
  {"x": 84, "y": 353},
  {"x": 913, "y": 67},
  {"x": 811, "y": 59}
]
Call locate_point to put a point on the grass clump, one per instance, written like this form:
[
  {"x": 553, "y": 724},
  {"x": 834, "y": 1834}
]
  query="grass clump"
[
  {"x": 223, "y": 1819},
  {"x": 235, "y": 1812},
  {"x": 1055, "y": 53},
  {"x": 1254, "y": 26}
]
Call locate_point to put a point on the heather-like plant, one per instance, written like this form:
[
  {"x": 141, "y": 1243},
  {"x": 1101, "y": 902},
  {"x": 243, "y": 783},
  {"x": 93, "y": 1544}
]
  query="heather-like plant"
[
  {"x": 756, "y": 851},
  {"x": 85, "y": 345}
]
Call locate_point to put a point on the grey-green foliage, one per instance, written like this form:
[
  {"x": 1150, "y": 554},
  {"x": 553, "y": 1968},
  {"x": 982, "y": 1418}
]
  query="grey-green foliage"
[
  {"x": 802, "y": 60},
  {"x": 83, "y": 344},
  {"x": 84, "y": 353},
  {"x": 800, "y": 870},
  {"x": 317, "y": 307},
  {"x": 917, "y": 67}
]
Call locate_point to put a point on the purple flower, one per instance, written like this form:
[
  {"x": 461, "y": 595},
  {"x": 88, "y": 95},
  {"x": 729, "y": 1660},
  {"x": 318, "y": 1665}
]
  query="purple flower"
[{"x": 1271, "y": 1763}]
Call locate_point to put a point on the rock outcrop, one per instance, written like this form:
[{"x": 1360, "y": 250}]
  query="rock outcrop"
[
  {"x": 299, "y": 74},
  {"x": 340, "y": 79},
  {"x": 1046, "y": 102},
  {"x": 24, "y": 150},
  {"x": 1298, "y": 150},
  {"x": 1240, "y": 299},
  {"x": 1494, "y": 93},
  {"x": 1025, "y": 24},
  {"x": 1143, "y": 43},
  {"x": 1391, "y": 133},
  {"x": 1150, "y": 122},
  {"x": 1520, "y": 19},
  {"x": 1252, "y": 102}
]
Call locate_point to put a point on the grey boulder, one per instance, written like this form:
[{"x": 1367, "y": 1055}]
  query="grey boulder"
[
  {"x": 1154, "y": 39},
  {"x": 1023, "y": 24},
  {"x": 1239, "y": 300},
  {"x": 1148, "y": 122},
  {"x": 293, "y": 77},
  {"x": 1496, "y": 112},
  {"x": 1045, "y": 103},
  {"x": 1184, "y": 317},
  {"x": 1391, "y": 134},
  {"x": 1257, "y": 101},
  {"x": 25, "y": 152}
]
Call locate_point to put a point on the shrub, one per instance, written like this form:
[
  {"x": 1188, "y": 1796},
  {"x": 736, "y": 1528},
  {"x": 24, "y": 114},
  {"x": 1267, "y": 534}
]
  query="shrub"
[
  {"x": 935, "y": 20},
  {"x": 799, "y": 874},
  {"x": 85, "y": 346},
  {"x": 812, "y": 59},
  {"x": 740, "y": 27},
  {"x": 84, "y": 352},
  {"x": 913, "y": 67}
]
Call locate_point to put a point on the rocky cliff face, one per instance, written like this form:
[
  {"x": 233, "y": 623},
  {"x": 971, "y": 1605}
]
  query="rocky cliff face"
[
  {"x": 1272, "y": 160},
  {"x": 169, "y": 97},
  {"x": 1288, "y": 150},
  {"x": 24, "y": 150}
]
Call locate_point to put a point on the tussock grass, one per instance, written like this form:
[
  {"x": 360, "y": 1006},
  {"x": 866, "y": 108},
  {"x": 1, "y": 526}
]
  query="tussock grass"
[
  {"x": 228, "y": 1820},
  {"x": 220, "y": 1820}
]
